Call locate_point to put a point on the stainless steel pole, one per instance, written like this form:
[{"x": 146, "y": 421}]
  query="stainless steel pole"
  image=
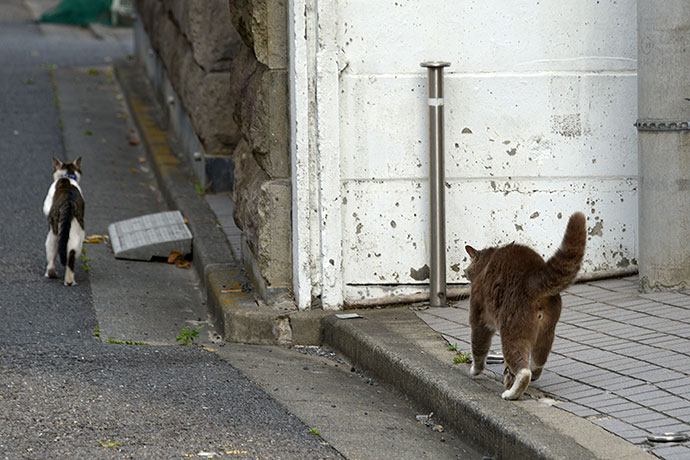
[{"x": 437, "y": 181}]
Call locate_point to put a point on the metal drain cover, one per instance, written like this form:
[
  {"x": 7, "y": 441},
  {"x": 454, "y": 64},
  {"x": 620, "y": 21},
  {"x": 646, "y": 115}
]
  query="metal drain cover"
[{"x": 152, "y": 235}]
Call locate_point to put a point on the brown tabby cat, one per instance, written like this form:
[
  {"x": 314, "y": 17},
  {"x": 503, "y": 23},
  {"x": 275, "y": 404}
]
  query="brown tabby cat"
[{"x": 515, "y": 291}]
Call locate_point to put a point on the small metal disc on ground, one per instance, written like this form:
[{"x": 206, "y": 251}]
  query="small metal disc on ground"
[
  {"x": 149, "y": 236},
  {"x": 668, "y": 437}
]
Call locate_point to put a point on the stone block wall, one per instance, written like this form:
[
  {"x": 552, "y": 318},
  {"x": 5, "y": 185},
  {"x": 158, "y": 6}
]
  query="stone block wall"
[{"x": 227, "y": 62}]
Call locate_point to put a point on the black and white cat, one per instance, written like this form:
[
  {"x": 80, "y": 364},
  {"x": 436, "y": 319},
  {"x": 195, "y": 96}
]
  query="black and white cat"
[{"x": 64, "y": 208}]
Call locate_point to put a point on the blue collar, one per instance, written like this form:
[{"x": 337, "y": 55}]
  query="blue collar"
[{"x": 70, "y": 176}]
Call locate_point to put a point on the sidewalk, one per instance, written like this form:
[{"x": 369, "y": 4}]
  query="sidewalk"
[{"x": 621, "y": 359}]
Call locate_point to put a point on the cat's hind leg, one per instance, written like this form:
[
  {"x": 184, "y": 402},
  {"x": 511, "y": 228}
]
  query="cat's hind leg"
[
  {"x": 51, "y": 254},
  {"x": 516, "y": 355},
  {"x": 74, "y": 244},
  {"x": 547, "y": 318},
  {"x": 481, "y": 340}
]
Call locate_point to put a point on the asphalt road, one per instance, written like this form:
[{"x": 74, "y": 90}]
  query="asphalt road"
[{"x": 65, "y": 393}]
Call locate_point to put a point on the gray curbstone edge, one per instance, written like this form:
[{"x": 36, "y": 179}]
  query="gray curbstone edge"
[{"x": 401, "y": 350}]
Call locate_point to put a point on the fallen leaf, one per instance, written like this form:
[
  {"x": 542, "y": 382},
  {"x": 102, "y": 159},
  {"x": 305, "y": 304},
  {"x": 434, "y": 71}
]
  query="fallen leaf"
[
  {"x": 173, "y": 256},
  {"x": 182, "y": 263},
  {"x": 96, "y": 239},
  {"x": 133, "y": 170}
]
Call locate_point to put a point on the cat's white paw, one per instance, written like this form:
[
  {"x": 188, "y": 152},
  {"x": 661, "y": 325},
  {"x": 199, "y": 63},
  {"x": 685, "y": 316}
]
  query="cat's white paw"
[
  {"x": 474, "y": 371},
  {"x": 522, "y": 379},
  {"x": 508, "y": 395}
]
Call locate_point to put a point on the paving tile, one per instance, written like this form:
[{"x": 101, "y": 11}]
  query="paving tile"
[
  {"x": 683, "y": 348},
  {"x": 653, "y": 355},
  {"x": 636, "y": 436},
  {"x": 574, "y": 408},
  {"x": 679, "y": 328},
  {"x": 572, "y": 301},
  {"x": 627, "y": 303},
  {"x": 621, "y": 345},
  {"x": 601, "y": 400},
  {"x": 626, "y": 365},
  {"x": 658, "y": 425},
  {"x": 584, "y": 289},
  {"x": 550, "y": 378},
  {"x": 614, "y": 426},
  {"x": 665, "y": 407},
  {"x": 592, "y": 355},
  {"x": 673, "y": 360},
  {"x": 645, "y": 398},
  {"x": 610, "y": 409},
  {"x": 677, "y": 428},
  {"x": 561, "y": 387},
  {"x": 636, "y": 391},
  {"x": 676, "y": 452},
  {"x": 450, "y": 314},
  {"x": 657, "y": 375},
  {"x": 452, "y": 330},
  {"x": 667, "y": 399},
  {"x": 618, "y": 383},
  {"x": 596, "y": 374},
  {"x": 572, "y": 369},
  {"x": 429, "y": 318},
  {"x": 579, "y": 395},
  {"x": 595, "y": 339},
  {"x": 635, "y": 411},
  {"x": 643, "y": 417},
  {"x": 462, "y": 344},
  {"x": 682, "y": 414}
]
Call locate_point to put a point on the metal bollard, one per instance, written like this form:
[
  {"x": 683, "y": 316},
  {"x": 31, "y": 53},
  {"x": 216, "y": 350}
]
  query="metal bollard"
[{"x": 437, "y": 180}]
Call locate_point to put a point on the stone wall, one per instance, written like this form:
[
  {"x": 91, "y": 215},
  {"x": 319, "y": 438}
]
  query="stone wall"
[{"x": 227, "y": 62}]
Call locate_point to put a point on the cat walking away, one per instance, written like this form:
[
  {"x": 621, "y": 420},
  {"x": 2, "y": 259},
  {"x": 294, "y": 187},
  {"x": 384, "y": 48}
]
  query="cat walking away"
[
  {"x": 517, "y": 293},
  {"x": 64, "y": 208}
]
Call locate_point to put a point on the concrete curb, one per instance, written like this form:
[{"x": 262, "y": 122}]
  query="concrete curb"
[
  {"x": 400, "y": 349},
  {"x": 237, "y": 313}
]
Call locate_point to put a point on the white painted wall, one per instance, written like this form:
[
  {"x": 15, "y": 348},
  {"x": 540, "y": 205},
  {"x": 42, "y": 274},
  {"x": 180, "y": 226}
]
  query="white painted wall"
[{"x": 540, "y": 105}]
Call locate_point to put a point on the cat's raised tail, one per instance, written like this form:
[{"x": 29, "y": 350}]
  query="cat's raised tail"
[{"x": 562, "y": 268}]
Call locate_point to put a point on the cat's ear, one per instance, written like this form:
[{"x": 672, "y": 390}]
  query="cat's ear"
[
  {"x": 471, "y": 251},
  {"x": 56, "y": 164},
  {"x": 77, "y": 163}
]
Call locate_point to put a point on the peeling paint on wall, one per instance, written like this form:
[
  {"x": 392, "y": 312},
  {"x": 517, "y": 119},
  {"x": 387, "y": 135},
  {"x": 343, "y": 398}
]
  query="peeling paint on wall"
[
  {"x": 420, "y": 274},
  {"x": 597, "y": 229}
]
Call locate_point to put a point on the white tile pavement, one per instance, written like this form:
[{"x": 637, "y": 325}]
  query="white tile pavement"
[{"x": 621, "y": 359}]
